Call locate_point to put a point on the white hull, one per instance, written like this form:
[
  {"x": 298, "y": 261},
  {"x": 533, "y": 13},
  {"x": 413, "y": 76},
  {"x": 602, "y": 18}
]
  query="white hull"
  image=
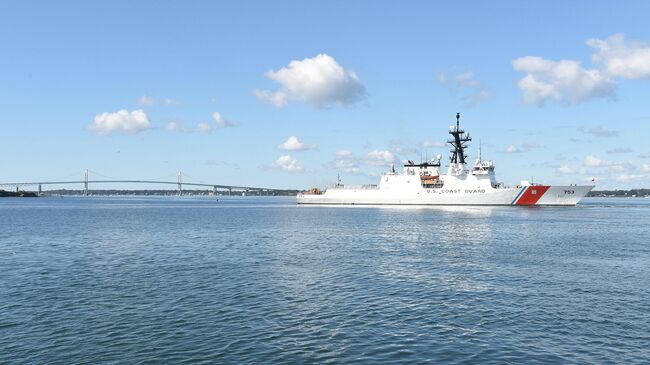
[
  {"x": 523, "y": 196},
  {"x": 423, "y": 184}
]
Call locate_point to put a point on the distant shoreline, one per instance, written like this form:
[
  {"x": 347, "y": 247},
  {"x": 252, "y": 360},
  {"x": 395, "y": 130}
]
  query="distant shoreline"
[
  {"x": 632, "y": 193},
  {"x": 119, "y": 192},
  {"x": 17, "y": 194},
  {"x": 638, "y": 193}
]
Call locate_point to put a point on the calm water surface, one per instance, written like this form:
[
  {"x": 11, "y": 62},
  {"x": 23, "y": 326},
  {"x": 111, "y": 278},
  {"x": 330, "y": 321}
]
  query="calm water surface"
[{"x": 261, "y": 280}]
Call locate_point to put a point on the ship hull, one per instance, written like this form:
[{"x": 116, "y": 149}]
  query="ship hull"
[{"x": 531, "y": 195}]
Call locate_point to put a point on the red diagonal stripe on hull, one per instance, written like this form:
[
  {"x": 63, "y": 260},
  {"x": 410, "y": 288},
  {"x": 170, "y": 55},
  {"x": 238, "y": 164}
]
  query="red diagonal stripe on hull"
[{"x": 532, "y": 195}]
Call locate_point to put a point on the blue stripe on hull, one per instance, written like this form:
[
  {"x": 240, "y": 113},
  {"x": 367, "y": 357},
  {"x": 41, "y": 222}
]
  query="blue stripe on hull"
[{"x": 519, "y": 195}]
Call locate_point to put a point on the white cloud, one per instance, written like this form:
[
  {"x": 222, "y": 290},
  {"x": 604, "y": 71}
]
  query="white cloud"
[
  {"x": 319, "y": 81},
  {"x": 622, "y": 58},
  {"x": 121, "y": 121},
  {"x": 599, "y": 131},
  {"x": 565, "y": 169},
  {"x": 179, "y": 126},
  {"x": 530, "y": 146},
  {"x": 593, "y": 161},
  {"x": 204, "y": 127},
  {"x": 618, "y": 166},
  {"x": 172, "y": 126},
  {"x": 466, "y": 79},
  {"x": 567, "y": 81},
  {"x": 293, "y": 144},
  {"x": 526, "y": 147},
  {"x": 277, "y": 98},
  {"x": 220, "y": 120},
  {"x": 201, "y": 127},
  {"x": 465, "y": 85},
  {"x": 433, "y": 144},
  {"x": 287, "y": 163},
  {"x": 398, "y": 147},
  {"x": 343, "y": 153},
  {"x": 512, "y": 149},
  {"x": 345, "y": 161},
  {"x": 646, "y": 167},
  {"x": 380, "y": 158},
  {"x": 630, "y": 177},
  {"x": 146, "y": 101},
  {"x": 563, "y": 80},
  {"x": 171, "y": 102}
]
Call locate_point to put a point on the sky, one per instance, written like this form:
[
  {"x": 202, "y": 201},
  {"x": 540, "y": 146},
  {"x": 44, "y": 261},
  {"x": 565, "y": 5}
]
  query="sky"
[{"x": 288, "y": 94}]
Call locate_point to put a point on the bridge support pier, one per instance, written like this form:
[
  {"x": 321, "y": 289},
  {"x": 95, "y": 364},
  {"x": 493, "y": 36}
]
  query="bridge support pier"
[
  {"x": 229, "y": 191},
  {"x": 214, "y": 190},
  {"x": 40, "y": 189},
  {"x": 17, "y": 188},
  {"x": 180, "y": 183},
  {"x": 86, "y": 182}
]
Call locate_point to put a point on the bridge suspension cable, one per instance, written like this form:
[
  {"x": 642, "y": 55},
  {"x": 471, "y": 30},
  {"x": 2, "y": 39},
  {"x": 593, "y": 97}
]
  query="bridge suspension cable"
[
  {"x": 166, "y": 177},
  {"x": 195, "y": 179},
  {"x": 104, "y": 176},
  {"x": 66, "y": 177}
]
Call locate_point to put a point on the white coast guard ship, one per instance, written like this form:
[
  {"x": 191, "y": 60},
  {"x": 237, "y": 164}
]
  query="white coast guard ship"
[{"x": 463, "y": 184}]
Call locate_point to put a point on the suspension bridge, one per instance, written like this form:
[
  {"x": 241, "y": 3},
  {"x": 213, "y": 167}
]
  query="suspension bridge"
[{"x": 179, "y": 184}]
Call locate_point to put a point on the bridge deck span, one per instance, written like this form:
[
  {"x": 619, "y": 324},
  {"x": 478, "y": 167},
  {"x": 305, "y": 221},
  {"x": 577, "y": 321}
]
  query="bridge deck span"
[{"x": 82, "y": 182}]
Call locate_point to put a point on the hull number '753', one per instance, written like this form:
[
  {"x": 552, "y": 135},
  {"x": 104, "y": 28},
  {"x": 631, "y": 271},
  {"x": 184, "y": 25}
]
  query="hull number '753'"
[{"x": 569, "y": 192}]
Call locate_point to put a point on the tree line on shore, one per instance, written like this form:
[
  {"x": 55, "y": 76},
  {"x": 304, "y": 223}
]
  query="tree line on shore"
[
  {"x": 288, "y": 192},
  {"x": 620, "y": 193}
]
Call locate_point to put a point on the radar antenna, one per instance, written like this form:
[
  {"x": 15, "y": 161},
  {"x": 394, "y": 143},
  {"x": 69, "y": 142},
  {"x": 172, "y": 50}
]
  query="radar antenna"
[{"x": 459, "y": 143}]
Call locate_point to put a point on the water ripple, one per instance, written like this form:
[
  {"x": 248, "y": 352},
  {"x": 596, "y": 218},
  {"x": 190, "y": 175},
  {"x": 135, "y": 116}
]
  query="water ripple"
[{"x": 261, "y": 280}]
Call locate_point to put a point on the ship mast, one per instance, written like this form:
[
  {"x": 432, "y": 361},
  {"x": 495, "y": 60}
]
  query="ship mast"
[{"x": 459, "y": 143}]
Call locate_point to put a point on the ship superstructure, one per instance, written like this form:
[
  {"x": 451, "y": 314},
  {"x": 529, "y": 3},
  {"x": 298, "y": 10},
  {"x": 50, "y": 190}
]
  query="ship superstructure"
[{"x": 461, "y": 184}]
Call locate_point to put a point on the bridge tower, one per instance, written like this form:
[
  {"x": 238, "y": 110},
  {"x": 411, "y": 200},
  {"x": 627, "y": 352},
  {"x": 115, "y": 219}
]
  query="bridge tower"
[
  {"x": 180, "y": 183},
  {"x": 86, "y": 182}
]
